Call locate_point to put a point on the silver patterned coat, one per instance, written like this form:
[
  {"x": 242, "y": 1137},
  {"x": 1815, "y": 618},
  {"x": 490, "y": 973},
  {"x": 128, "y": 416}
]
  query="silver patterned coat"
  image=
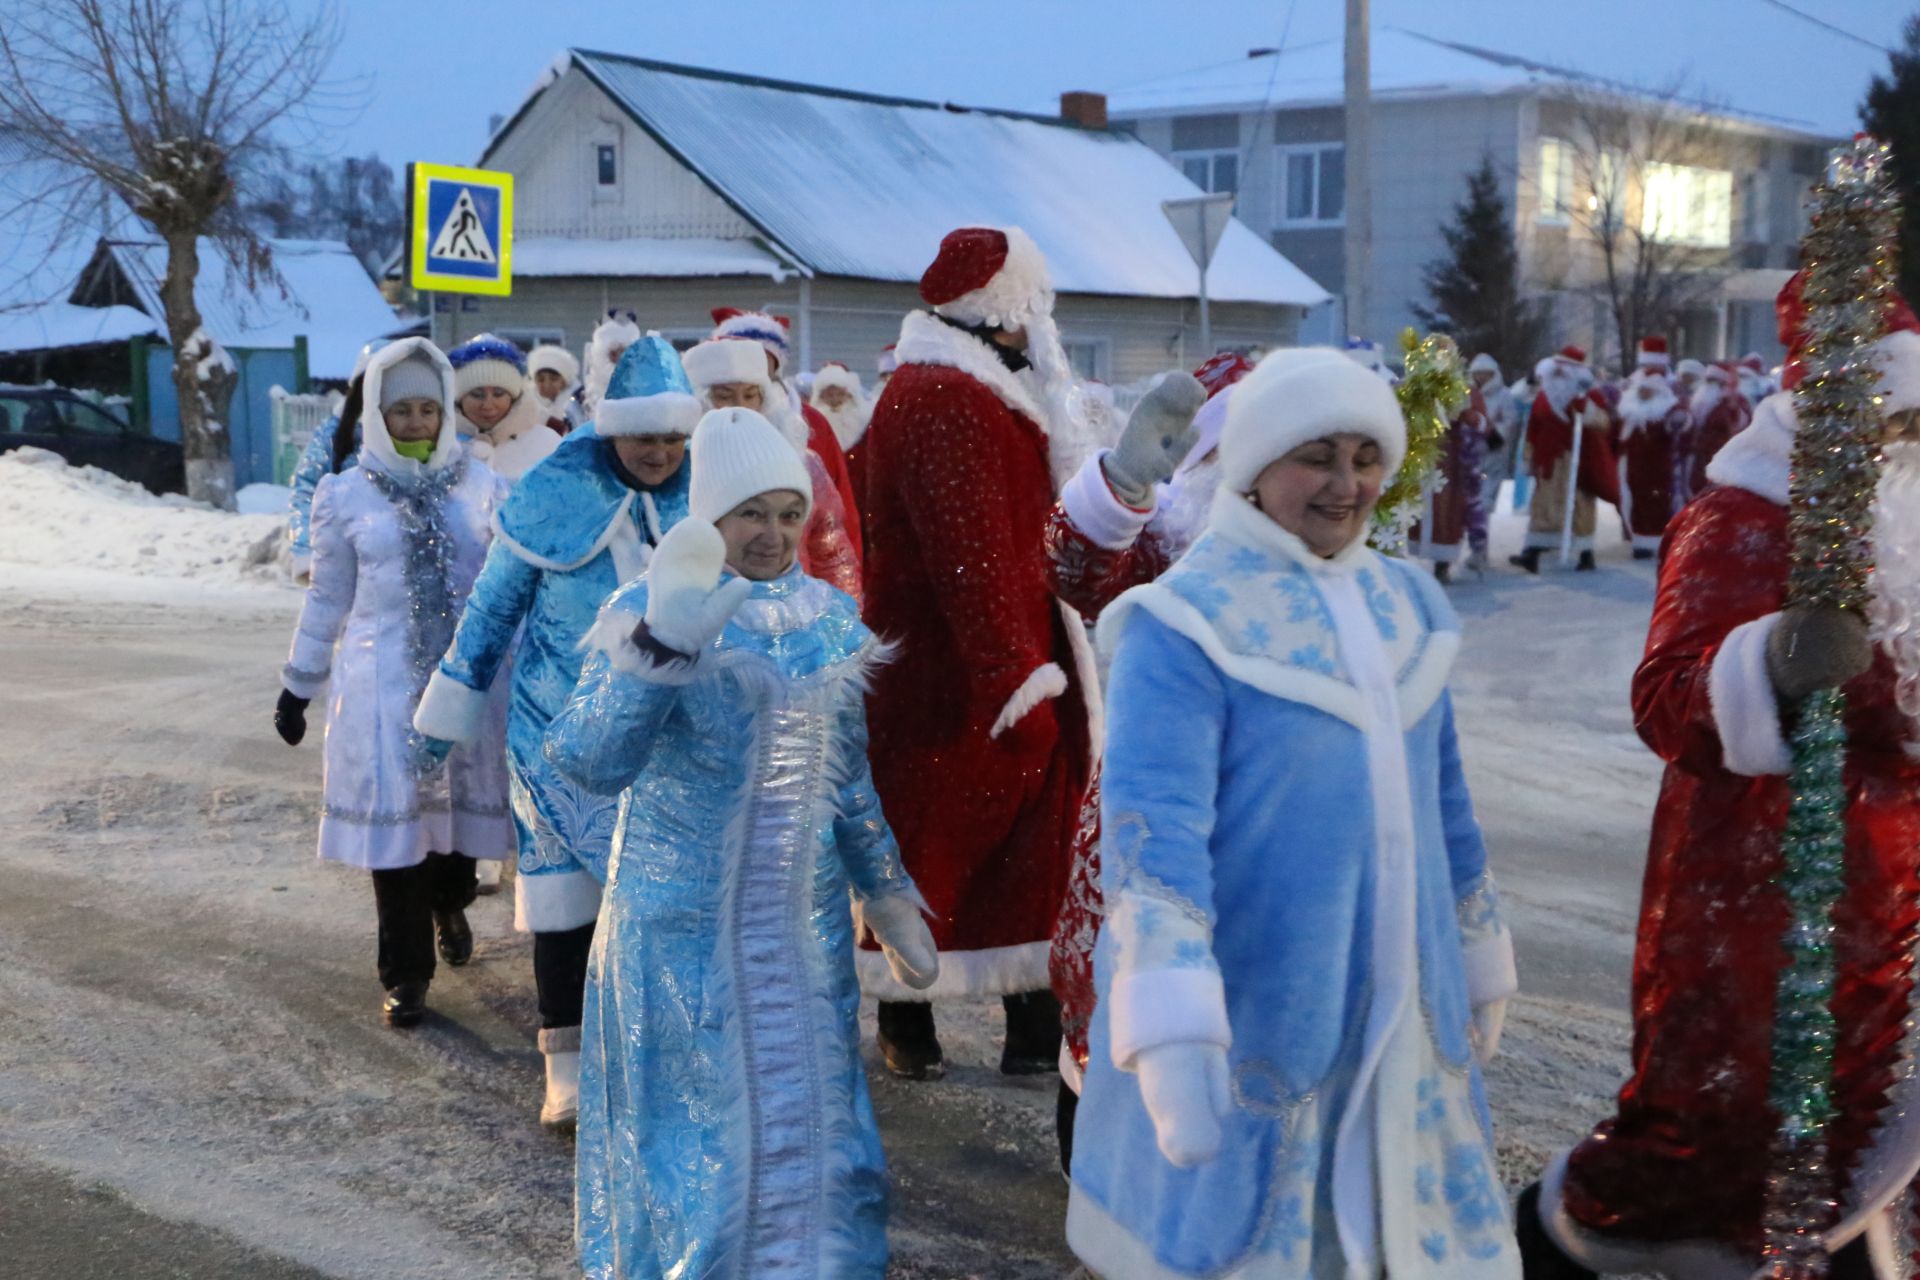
[
  {"x": 725, "y": 1126},
  {"x": 396, "y": 547}
]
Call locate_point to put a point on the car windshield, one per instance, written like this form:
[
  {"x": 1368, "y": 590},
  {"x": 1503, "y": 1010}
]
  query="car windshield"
[{"x": 84, "y": 417}]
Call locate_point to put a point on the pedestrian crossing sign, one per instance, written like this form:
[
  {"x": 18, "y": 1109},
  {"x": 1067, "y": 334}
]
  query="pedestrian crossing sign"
[{"x": 459, "y": 230}]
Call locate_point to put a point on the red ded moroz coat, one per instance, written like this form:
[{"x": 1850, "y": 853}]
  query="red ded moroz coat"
[
  {"x": 958, "y": 492},
  {"x": 1685, "y": 1155}
]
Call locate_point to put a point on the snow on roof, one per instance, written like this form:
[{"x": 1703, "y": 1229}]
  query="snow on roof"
[
  {"x": 1407, "y": 66},
  {"x": 914, "y": 171},
  {"x": 329, "y": 298},
  {"x": 61, "y": 324},
  {"x": 554, "y": 256}
]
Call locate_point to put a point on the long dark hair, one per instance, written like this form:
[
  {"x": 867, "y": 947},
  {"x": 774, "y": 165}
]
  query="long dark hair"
[{"x": 348, "y": 429}]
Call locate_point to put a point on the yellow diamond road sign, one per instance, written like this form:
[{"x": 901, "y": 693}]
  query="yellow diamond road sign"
[{"x": 460, "y": 230}]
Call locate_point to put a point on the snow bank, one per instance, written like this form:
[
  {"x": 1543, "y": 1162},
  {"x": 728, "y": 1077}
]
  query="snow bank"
[
  {"x": 57, "y": 516},
  {"x": 263, "y": 500}
]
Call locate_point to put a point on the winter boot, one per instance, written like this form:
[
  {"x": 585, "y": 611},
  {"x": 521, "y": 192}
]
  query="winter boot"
[
  {"x": 561, "y": 1108},
  {"x": 1477, "y": 563},
  {"x": 1443, "y": 573},
  {"x": 907, "y": 1041},
  {"x": 1065, "y": 1107},
  {"x": 1033, "y": 1034},
  {"x": 1528, "y": 560},
  {"x": 1643, "y": 553},
  {"x": 1540, "y": 1257},
  {"x": 1586, "y": 564},
  {"x": 456, "y": 936},
  {"x": 487, "y": 877},
  {"x": 405, "y": 1005}
]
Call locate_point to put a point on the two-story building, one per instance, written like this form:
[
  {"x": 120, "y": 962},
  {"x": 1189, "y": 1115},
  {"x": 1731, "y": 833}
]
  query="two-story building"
[
  {"x": 1720, "y": 190},
  {"x": 670, "y": 190}
]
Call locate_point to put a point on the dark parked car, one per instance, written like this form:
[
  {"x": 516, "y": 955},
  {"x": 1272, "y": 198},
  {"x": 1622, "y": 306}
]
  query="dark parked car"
[{"x": 87, "y": 435}]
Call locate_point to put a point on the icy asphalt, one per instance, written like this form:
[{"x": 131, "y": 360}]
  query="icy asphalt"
[{"x": 193, "y": 1081}]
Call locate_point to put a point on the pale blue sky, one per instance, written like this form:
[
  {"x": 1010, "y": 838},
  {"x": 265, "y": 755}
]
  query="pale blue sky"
[{"x": 434, "y": 70}]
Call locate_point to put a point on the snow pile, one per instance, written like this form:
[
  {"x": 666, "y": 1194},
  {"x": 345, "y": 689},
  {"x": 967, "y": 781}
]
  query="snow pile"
[
  {"x": 57, "y": 516},
  {"x": 263, "y": 500}
]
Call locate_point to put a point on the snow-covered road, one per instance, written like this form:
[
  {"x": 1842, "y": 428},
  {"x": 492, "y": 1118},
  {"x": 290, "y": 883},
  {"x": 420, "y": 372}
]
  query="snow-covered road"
[{"x": 190, "y": 1005}]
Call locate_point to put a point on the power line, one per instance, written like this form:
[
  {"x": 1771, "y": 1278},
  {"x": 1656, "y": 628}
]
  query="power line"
[{"x": 1828, "y": 26}]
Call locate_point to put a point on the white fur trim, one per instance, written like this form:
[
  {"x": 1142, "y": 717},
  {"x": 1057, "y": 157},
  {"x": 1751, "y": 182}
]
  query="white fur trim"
[
  {"x": 373, "y": 424},
  {"x": 1019, "y": 292},
  {"x": 1897, "y": 356},
  {"x": 1042, "y": 683},
  {"x": 559, "y": 1040},
  {"x": 669, "y": 413},
  {"x": 1760, "y": 458},
  {"x": 1166, "y": 1006},
  {"x": 1070, "y": 1073},
  {"x": 1097, "y": 512},
  {"x": 1086, "y": 669},
  {"x": 964, "y": 975},
  {"x": 1299, "y": 394},
  {"x": 302, "y": 567},
  {"x": 1491, "y": 971},
  {"x": 925, "y": 340},
  {"x": 451, "y": 711},
  {"x": 547, "y": 358},
  {"x": 1695, "y": 1259},
  {"x": 612, "y": 635},
  {"x": 1746, "y": 711},
  {"x": 555, "y": 901},
  {"x": 620, "y": 520},
  {"x": 762, "y": 329},
  {"x": 727, "y": 360},
  {"x": 834, "y": 375}
]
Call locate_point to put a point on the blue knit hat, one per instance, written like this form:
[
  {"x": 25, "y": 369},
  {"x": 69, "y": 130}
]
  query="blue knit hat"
[
  {"x": 487, "y": 361},
  {"x": 649, "y": 394}
]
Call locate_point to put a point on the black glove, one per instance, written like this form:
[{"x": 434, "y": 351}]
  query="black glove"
[
  {"x": 1816, "y": 649},
  {"x": 290, "y": 718}
]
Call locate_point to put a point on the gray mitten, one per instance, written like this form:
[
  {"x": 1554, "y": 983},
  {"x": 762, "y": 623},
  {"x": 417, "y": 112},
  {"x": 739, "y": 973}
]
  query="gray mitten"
[
  {"x": 1816, "y": 648},
  {"x": 1156, "y": 439}
]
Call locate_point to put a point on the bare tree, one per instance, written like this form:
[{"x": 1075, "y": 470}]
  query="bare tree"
[
  {"x": 1652, "y": 193},
  {"x": 160, "y": 103}
]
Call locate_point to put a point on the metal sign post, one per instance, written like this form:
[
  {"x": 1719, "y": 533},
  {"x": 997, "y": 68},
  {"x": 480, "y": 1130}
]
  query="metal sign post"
[{"x": 1201, "y": 221}]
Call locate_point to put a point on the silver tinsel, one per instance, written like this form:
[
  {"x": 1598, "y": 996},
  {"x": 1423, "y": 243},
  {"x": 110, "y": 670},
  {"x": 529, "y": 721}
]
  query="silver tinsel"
[{"x": 421, "y": 503}]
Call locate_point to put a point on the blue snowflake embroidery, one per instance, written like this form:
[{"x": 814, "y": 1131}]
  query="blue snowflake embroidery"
[
  {"x": 1476, "y": 1204},
  {"x": 1247, "y": 562},
  {"x": 1426, "y": 1184},
  {"x": 1434, "y": 1244},
  {"x": 1192, "y": 953},
  {"x": 1290, "y": 1226},
  {"x": 1303, "y": 602},
  {"x": 1256, "y": 635},
  {"x": 1380, "y": 604},
  {"x": 1206, "y": 595},
  {"x": 1311, "y": 658},
  {"x": 1432, "y": 1109}
]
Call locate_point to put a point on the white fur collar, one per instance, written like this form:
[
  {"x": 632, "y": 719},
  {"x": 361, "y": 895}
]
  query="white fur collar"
[
  {"x": 927, "y": 340},
  {"x": 1760, "y": 458}
]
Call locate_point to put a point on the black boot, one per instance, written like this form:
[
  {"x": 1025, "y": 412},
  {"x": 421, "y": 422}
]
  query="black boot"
[
  {"x": 1033, "y": 1034},
  {"x": 907, "y": 1041},
  {"x": 1643, "y": 553},
  {"x": 456, "y": 936},
  {"x": 1586, "y": 564},
  {"x": 453, "y": 884},
  {"x": 1065, "y": 1108},
  {"x": 1540, "y": 1257},
  {"x": 1443, "y": 573},
  {"x": 1528, "y": 560},
  {"x": 405, "y": 1005}
]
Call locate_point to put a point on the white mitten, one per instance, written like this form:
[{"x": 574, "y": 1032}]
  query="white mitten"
[
  {"x": 1156, "y": 438},
  {"x": 1187, "y": 1092},
  {"x": 687, "y": 604},
  {"x": 1488, "y": 1019},
  {"x": 904, "y": 938}
]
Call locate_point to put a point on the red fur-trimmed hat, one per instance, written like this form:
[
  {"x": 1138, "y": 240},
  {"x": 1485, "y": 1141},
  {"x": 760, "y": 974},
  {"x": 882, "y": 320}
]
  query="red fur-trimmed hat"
[
  {"x": 1653, "y": 352},
  {"x": 989, "y": 275},
  {"x": 1221, "y": 372},
  {"x": 763, "y": 327}
]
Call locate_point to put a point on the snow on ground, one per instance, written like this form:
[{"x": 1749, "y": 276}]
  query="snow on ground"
[
  {"x": 192, "y": 1002},
  {"x": 62, "y": 517},
  {"x": 263, "y": 500}
]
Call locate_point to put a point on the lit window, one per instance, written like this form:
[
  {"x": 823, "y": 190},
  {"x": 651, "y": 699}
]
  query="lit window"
[
  {"x": 609, "y": 164},
  {"x": 1313, "y": 186},
  {"x": 1684, "y": 205},
  {"x": 1215, "y": 171},
  {"x": 1556, "y": 180},
  {"x": 1756, "y": 227}
]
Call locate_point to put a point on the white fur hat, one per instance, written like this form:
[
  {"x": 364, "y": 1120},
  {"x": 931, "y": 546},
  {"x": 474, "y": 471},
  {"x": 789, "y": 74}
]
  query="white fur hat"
[
  {"x": 547, "y": 358},
  {"x": 721, "y": 360},
  {"x": 737, "y": 454},
  {"x": 1484, "y": 363},
  {"x": 835, "y": 374},
  {"x": 1689, "y": 366},
  {"x": 1301, "y": 394}
]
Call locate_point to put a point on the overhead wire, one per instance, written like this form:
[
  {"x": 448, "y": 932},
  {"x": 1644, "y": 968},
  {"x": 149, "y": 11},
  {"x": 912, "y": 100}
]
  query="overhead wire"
[{"x": 1822, "y": 23}]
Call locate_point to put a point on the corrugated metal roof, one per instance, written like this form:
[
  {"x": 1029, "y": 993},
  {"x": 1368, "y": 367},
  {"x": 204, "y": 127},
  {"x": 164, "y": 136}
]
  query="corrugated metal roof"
[{"x": 863, "y": 186}]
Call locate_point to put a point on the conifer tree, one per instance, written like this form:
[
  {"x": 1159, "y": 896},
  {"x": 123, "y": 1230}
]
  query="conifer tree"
[
  {"x": 1474, "y": 291},
  {"x": 1892, "y": 114}
]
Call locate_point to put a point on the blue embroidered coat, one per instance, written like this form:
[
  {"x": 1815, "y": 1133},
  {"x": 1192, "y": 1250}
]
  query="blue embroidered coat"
[
  {"x": 725, "y": 1127},
  {"x": 1293, "y": 870},
  {"x": 570, "y": 533},
  {"x": 315, "y": 463}
]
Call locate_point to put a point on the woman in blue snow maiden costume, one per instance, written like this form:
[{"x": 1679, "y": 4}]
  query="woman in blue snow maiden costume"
[
  {"x": 1303, "y": 964},
  {"x": 725, "y": 1128}
]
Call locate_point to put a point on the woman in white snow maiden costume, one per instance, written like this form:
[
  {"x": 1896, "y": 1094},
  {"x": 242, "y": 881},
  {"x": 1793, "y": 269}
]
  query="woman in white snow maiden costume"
[
  {"x": 725, "y": 1128},
  {"x": 1303, "y": 953},
  {"x": 397, "y": 541}
]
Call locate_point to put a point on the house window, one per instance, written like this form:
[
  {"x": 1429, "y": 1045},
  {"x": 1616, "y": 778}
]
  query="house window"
[
  {"x": 1687, "y": 206},
  {"x": 1556, "y": 181},
  {"x": 1756, "y": 227},
  {"x": 1313, "y": 185},
  {"x": 1086, "y": 356},
  {"x": 608, "y": 158},
  {"x": 1217, "y": 171}
]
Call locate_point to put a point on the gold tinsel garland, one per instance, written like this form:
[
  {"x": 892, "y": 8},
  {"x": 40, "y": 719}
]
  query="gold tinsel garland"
[{"x": 1432, "y": 392}]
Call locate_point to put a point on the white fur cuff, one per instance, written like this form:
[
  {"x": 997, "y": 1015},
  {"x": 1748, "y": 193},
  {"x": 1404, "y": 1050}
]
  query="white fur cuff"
[
  {"x": 612, "y": 634},
  {"x": 1746, "y": 712},
  {"x": 450, "y": 711},
  {"x": 555, "y": 901},
  {"x": 1166, "y": 1006},
  {"x": 1045, "y": 682},
  {"x": 1491, "y": 971},
  {"x": 1097, "y": 512}
]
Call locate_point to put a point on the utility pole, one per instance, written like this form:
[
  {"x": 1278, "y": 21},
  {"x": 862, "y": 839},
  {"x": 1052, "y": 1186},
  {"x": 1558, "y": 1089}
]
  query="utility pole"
[{"x": 1359, "y": 230}]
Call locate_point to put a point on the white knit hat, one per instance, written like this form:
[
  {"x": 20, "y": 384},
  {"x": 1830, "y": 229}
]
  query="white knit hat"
[
  {"x": 737, "y": 454},
  {"x": 413, "y": 376},
  {"x": 1301, "y": 394},
  {"x": 721, "y": 360},
  {"x": 547, "y": 358}
]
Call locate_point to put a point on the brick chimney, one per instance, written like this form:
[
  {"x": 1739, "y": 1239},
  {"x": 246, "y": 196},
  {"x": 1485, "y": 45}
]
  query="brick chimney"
[{"x": 1088, "y": 110}]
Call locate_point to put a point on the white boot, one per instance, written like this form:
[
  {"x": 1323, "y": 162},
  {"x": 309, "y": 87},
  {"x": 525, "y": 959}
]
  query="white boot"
[
  {"x": 486, "y": 873},
  {"x": 561, "y": 1046}
]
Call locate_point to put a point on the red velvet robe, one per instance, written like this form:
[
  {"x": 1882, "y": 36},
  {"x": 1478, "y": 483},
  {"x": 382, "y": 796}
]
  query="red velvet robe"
[
  {"x": 1713, "y": 426},
  {"x": 1684, "y": 1157},
  {"x": 1647, "y": 467},
  {"x": 1550, "y": 436},
  {"x": 958, "y": 490}
]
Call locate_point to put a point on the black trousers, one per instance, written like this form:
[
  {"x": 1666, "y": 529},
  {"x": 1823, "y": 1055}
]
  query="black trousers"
[
  {"x": 560, "y": 975},
  {"x": 406, "y": 898}
]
